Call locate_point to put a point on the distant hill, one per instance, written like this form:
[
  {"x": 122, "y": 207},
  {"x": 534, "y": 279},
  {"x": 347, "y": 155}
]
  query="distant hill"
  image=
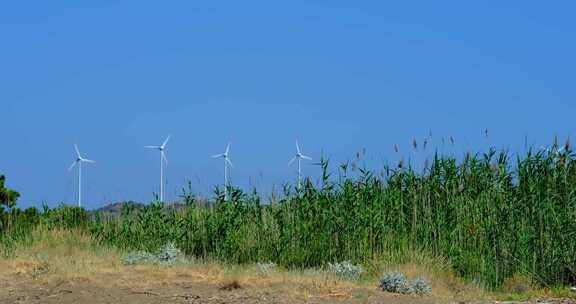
[{"x": 115, "y": 209}]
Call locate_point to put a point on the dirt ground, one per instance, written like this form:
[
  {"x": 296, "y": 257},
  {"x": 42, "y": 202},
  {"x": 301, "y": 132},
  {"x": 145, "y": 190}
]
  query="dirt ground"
[
  {"x": 183, "y": 288},
  {"x": 190, "y": 292}
]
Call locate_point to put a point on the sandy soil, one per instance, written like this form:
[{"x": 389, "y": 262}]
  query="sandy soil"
[{"x": 185, "y": 290}]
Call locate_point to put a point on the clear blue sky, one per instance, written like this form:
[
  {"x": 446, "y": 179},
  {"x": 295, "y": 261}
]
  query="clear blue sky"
[{"x": 339, "y": 75}]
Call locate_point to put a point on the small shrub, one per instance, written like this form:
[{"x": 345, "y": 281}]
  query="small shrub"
[
  {"x": 398, "y": 283},
  {"x": 266, "y": 268},
  {"x": 167, "y": 255},
  {"x": 421, "y": 286},
  {"x": 346, "y": 270},
  {"x": 141, "y": 257},
  {"x": 393, "y": 282}
]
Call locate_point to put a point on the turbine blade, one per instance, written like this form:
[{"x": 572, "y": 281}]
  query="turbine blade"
[
  {"x": 298, "y": 147},
  {"x": 217, "y": 156},
  {"x": 166, "y": 141},
  {"x": 229, "y": 162},
  {"x": 227, "y": 148},
  {"x": 77, "y": 150},
  {"x": 292, "y": 160},
  {"x": 88, "y": 161},
  {"x": 152, "y": 147},
  {"x": 73, "y": 165},
  {"x": 306, "y": 157},
  {"x": 164, "y": 157}
]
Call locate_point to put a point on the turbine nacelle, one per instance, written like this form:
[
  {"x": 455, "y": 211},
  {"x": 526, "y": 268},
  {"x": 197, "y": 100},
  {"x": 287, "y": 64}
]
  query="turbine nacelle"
[
  {"x": 79, "y": 159},
  {"x": 161, "y": 148},
  {"x": 225, "y": 155},
  {"x": 298, "y": 155}
]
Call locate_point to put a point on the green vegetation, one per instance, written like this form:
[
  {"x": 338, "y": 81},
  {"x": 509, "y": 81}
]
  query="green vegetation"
[
  {"x": 8, "y": 197},
  {"x": 491, "y": 217}
]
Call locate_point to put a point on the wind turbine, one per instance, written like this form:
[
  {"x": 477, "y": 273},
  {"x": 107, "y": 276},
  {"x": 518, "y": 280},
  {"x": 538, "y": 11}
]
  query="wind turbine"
[
  {"x": 79, "y": 160},
  {"x": 299, "y": 156},
  {"x": 226, "y": 157},
  {"x": 163, "y": 160}
]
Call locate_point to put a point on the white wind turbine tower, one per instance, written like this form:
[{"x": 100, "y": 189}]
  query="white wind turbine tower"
[
  {"x": 79, "y": 160},
  {"x": 299, "y": 156},
  {"x": 163, "y": 160},
  {"x": 226, "y": 157}
]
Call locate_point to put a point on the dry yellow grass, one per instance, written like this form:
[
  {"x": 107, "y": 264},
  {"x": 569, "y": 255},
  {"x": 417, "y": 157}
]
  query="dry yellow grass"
[
  {"x": 60, "y": 253},
  {"x": 64, "y": 256}
]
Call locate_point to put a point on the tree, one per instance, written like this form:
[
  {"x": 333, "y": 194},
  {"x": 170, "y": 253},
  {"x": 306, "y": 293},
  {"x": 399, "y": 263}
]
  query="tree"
[{"x": 8, "y": 197}]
